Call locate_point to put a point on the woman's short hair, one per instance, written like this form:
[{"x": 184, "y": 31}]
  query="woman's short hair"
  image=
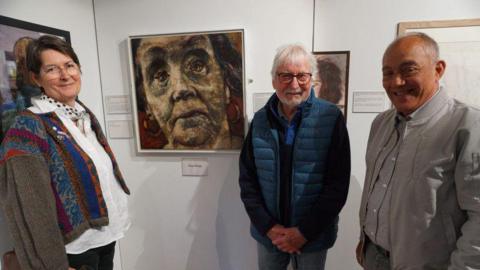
[{"x": 47, "y": 42}]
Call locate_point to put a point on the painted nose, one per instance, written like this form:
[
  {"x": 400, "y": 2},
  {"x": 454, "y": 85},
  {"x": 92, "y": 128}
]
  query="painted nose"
[
  {"x": 181, "y": 91},
  {"x": 183, "y": 94}
]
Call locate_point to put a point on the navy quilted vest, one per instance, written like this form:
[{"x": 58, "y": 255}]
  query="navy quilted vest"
[{"x": 310, "y": 152}]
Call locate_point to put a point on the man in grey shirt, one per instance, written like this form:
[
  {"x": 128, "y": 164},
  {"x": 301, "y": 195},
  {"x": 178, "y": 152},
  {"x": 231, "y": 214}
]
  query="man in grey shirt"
[{"x": 421, "y": 198}]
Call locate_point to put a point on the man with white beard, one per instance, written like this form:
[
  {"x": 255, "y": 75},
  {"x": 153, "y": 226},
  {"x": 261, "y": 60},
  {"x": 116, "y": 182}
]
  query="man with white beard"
[{"x": 295, "y": 168}]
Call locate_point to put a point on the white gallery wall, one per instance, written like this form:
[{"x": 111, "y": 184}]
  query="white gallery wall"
[
  {"x": 365, "y": 28},
  {"x": 185, "y": 222},
  {"x": 191, "y": 223}
]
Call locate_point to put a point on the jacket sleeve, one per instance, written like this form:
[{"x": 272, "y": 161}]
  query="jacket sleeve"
[
  {"x": 250, "y": 191},
  {"x": 28, "y": 203},
  {"x": 467, "y": 183},
  {"x": 335, "y": 186}
]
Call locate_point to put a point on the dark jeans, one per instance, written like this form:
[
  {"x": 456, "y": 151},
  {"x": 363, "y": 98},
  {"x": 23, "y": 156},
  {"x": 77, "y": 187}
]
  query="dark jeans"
[
  {"x": 278, "y": 260},
  {"x": 376, "y": 258},
  {"x": 100, "y": 258}
]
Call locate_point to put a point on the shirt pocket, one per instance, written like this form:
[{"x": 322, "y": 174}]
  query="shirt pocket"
[
  {"x": 434, "y": 160},
  {"x": 433, "y": 175}
]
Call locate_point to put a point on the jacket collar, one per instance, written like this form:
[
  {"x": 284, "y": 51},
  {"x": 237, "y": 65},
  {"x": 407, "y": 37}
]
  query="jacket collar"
[{"x": 430, "y": 108}]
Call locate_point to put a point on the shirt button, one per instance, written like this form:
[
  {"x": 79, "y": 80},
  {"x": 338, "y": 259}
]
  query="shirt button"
[
  {"x": 374, "y": 210},
  {"x": 393, "y": 159},
  {"x": 371, "y": 233},
  {"x": 384, "y": 185}
]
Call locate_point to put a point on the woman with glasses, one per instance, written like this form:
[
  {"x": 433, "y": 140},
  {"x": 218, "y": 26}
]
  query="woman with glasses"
[{"x": 60, "y": 187}]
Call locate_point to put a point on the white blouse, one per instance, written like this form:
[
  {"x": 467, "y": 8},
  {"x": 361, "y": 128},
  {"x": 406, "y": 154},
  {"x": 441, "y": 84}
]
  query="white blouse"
[{"x": 115, "y": 197}]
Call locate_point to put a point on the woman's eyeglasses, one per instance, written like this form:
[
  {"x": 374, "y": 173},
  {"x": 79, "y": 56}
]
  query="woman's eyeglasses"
[{"x": 54, "y": 72}]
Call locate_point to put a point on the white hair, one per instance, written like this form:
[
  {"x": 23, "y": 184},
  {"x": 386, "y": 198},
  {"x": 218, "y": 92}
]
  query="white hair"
[{"x": 293, "y": 53}]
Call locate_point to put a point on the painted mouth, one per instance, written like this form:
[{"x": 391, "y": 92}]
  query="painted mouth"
[{"x": 189, "y": 114}]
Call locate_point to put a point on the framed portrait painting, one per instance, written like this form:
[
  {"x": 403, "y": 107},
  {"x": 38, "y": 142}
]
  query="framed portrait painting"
[
  {"x": 459, "y": 44},
  {"x": 188, "y": 91},
  {"x": 331, "y": 82},
  {"x": 16, "y": 87}
]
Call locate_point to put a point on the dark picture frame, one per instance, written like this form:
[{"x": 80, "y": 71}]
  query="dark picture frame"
[
  {"x": 188, "y": 91},
  {"x": 331, "y": 82},
  {"x": 12, "y": 30}
]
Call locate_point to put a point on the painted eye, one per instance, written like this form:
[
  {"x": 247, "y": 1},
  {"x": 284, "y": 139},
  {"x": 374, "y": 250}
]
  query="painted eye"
[
  {"x": 161, "y": 76},
  {"x": 197, "y": 67}
]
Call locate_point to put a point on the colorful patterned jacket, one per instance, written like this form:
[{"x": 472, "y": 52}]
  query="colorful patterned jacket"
[{"x": 49, "y": 188}]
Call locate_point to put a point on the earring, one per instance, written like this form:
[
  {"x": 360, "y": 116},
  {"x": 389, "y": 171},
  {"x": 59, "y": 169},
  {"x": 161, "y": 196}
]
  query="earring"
[
  {"x": 150, "y": 124},
  {"x": 234, "y": 114}
]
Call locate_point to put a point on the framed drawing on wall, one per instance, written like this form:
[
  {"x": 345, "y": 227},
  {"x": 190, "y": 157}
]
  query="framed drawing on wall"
[
  {"x": 331, "y": 81},
  {"x": 188, "y": 91},
  {"x": 459, "y": 44},
  {"x": 15, "y": 84}
]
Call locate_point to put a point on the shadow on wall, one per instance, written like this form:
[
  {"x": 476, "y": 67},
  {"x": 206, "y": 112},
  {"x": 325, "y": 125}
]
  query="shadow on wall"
[
  {"x": 201, "y": 226},
  {"x": 237, "y": 250},
  {"x": 219, "y": 224},
  {"x": 189, "y": 223},
  {"x": 342, "y": 254},
  {"x": 142, "y": 244}
]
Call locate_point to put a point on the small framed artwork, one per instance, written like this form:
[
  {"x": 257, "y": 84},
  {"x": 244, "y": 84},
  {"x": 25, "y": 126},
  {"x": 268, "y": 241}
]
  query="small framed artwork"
[
  {"x": 16, "y": 87},
  {"x": 331, "y": 81},
  {"x": 188, "y": 91},
  {"x": 459, "y": 44}
]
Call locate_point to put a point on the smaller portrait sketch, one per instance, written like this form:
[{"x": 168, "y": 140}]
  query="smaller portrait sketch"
[
  {"x": 16, "y": 86},
  {"x": 331, "y": 82},
  {"x": 188, "y": 91}
]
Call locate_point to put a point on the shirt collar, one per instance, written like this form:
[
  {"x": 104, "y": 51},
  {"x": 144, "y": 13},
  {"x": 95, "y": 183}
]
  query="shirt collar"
[
  {"x": 281, "y": 116},
  {"x": 435, "y": 103},
  {"x": 44, "y": 105}
]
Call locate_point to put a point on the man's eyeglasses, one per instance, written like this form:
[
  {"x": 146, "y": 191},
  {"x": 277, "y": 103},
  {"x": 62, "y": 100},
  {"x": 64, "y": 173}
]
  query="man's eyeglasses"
[
  {"x": 53, "y": 72},
  {"x": 302, "y": 78}
]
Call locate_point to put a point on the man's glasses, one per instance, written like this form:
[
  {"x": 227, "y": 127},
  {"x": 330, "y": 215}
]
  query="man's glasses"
[
  {"x": 53, "y": 72},
  {"x": 302, "y": 78}
]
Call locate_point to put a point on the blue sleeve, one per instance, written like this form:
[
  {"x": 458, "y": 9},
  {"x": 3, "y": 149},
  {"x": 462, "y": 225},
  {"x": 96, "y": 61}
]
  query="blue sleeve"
[
  {"x": 335, "y": 186},
  {"x": 250, "y": 191}
]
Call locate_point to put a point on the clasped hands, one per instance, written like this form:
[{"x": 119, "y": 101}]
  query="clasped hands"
[{"x": 288, "y": 240}]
